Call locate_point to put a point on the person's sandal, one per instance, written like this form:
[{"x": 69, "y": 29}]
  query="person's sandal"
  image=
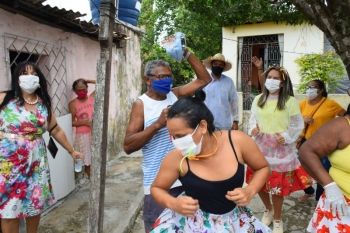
[{"x": 304, "y": 197}]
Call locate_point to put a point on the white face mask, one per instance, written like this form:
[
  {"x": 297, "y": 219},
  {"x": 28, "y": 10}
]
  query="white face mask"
[
  {"x": 29, "y": 83},
  {"x": 272, "y": 85},
  {"x": 311, "y": 93},
  {"x": 187, "y": 145}
]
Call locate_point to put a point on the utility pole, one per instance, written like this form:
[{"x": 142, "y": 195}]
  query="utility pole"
[{"x": 100, "y": 120}]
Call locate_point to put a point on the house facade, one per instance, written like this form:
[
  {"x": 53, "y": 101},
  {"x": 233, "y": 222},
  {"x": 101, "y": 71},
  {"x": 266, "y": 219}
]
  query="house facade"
[{"x": 275, "y": 44}]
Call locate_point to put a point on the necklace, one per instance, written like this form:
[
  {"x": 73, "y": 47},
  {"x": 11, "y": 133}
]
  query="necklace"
[
  {"x": 197, "y": 157},
  {"x": 31, "y": 103}
]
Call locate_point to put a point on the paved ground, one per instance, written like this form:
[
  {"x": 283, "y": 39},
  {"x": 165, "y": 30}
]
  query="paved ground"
[{"x": 123, "y": 204}]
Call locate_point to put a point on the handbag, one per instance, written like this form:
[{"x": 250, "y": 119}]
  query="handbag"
[
  {"x": 52, "y": 145},
  {"x": 303, "y": 139}
]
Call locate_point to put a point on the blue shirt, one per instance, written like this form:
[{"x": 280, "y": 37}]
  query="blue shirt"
[{"x": 222, "y": 101}]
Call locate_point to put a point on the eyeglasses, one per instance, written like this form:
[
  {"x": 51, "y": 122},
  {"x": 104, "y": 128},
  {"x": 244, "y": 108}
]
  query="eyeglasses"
[
  {"x": 161, "y": 76},
  {"x": 311, "y": 87}
]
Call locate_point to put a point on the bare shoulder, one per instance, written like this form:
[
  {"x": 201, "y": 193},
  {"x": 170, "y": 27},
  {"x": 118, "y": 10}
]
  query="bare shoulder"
[{"x": 72, "y": 103}]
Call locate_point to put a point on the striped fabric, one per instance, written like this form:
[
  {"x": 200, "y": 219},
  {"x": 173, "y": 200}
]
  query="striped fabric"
[{"x": 159, "y": 146}]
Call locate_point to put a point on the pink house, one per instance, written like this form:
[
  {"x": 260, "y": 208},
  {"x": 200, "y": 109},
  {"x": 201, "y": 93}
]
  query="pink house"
[{"x": 66, "y": 49}]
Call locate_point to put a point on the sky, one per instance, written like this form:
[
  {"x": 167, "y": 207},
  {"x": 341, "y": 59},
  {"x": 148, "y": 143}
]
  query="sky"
[{"x": 83, "y": 6}]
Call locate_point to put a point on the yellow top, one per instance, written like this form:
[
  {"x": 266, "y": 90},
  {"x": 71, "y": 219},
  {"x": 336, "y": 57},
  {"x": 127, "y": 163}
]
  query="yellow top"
[
  {"x": 270, "y": 119},
  {"x": 326, "y": 112},
  {"x": 340, "y": 170}
]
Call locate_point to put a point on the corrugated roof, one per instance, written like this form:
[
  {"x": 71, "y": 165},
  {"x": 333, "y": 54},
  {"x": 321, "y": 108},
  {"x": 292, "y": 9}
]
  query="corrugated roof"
[{"x": 67, "y": 20}]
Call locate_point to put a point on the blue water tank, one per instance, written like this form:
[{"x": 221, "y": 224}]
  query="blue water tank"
[
  {"x": 95, "y": 14},
  {"x": 128, "y": 11}
]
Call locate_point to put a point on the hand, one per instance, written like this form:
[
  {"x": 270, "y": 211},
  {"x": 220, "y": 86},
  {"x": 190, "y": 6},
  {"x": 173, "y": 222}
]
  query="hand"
[
  {"x": 87, "y": 122},
  {"x": 298, "y": 141},
  {"x": 258, "y": 62},
  {"x": 77, "y": 155},
  {"x": 240, "y": 196},
  {"x": 335, "y": 200},
  {"x": 280, "y": 139},
  {"x": 309, "y": 120},
  {"x": 186, "y": 206},
  {"x": 163, "y": 117},
  {"x": 256, "y": 130},
  {"x": 234, "y": 126}
]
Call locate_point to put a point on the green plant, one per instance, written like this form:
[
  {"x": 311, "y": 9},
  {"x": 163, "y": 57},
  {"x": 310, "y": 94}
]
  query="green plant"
[{"x": 327, "y": 67}]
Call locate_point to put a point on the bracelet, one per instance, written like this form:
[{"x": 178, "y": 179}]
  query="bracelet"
[
  {"x": 187, "y": 54},
  {"x": 70, "y": 152}
]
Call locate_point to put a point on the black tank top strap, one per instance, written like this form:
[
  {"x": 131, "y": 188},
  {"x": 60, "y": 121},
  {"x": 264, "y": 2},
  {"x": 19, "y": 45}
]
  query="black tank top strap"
[{"x": 233, "y": 148}]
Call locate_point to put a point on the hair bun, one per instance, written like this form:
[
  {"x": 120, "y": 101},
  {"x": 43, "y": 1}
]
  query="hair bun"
[{"x": 200, "y": 94}]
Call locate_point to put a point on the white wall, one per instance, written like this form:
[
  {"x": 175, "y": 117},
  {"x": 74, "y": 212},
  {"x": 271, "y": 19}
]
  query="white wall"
[{"x": 298, "y": 40}]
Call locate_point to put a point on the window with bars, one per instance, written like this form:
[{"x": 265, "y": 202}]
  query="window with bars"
[{"x": 50, "y": 58}]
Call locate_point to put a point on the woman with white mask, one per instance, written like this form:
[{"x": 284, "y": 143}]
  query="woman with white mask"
[
  {"x": 317, "y": 110},
  {"x": 210, "y": 166},
  {"x": 25, "y": 114},
  {"x": 275, "y": 125}
]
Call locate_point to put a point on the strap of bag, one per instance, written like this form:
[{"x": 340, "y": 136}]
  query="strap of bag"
[
  {"x": 307, "y": 126},
  {"x": 52, "y": 129}
]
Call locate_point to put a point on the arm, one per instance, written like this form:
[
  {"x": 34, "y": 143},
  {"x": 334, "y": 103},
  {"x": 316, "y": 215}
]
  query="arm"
[
  {"x": 167, "y": 175},
  {"x": 258, "y": 63},
  {"x": 203, "y": 78},
  {"x": 254, "y": 158},
  {"x": 61, "y": 138},
  {"x": 234, "y": 108},
  {"x": 136, "y": 136},
  {"x": 2, "y": 96},
  {"x": 72, "y": 111},
  {"x": 295, "y": 127},
  {"x": 92, "y": 81},
  {"x": 341, "y": 113},
  {"x": 322, "y": 143}
]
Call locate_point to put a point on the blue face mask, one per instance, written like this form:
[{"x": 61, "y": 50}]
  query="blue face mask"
[{"x": 163, "y": 85}]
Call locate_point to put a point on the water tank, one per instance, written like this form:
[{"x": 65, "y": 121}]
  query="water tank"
[
  {"x": 95, "y": 14},
  {"x": 128, "y": 11}
]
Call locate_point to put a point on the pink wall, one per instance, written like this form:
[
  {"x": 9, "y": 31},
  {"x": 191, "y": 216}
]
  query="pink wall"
[{"x": 81, "y": 53}]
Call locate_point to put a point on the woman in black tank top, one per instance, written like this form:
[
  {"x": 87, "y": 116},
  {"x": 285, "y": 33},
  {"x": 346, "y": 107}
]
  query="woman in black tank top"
[{"x": 210, "y": 166}]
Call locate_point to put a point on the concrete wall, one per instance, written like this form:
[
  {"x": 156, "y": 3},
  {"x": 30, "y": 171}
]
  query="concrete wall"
[
  {"x": 125, "y": 88},
  {"x": 298, "y": 40},
  {"x": 81, "y": 59}
]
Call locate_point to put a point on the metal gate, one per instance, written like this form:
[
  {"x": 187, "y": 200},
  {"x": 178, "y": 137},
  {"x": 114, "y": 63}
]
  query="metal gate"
[{"x": 50, "y": 58}]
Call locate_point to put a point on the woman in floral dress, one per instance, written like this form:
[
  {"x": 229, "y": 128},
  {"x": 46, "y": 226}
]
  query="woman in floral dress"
[
  {"x": 276, "y": 123},
  {"x": 25, "y": 114}
]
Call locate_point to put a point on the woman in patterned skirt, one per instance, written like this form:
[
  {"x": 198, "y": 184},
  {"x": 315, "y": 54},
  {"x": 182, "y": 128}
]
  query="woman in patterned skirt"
[
  {"x": 275, "y": 124},
  {"x": 210, "y": 166},
  {"x": 25, "y": 114}
]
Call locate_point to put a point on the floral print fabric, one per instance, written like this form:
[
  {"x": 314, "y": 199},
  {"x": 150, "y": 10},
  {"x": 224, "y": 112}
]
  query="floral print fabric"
[
  {"x": 323, "y": 221},
  {"x": 284, "y": 183},
  {"x": 25, "y": 187},
  {"x": 240, "y": 219}
]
